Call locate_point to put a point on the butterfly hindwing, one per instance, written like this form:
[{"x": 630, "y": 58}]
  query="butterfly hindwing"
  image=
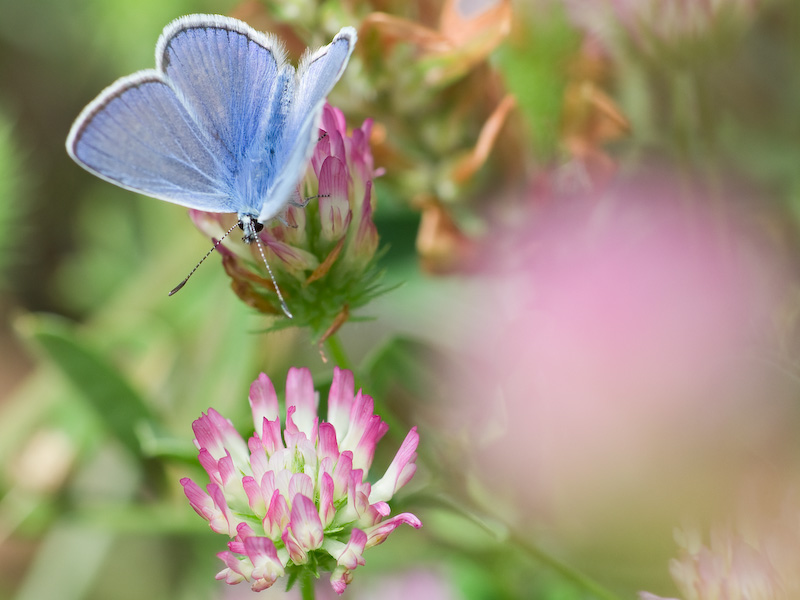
[
  {"x": 317, "y": 74},
  {"x": 320, "y": 70},
  {"x": 138, "y": 135}
]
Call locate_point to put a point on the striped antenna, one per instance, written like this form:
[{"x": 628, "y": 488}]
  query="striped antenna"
[
  {"x": 271, "y": 276},
  {"x": 178, "y": 287}
]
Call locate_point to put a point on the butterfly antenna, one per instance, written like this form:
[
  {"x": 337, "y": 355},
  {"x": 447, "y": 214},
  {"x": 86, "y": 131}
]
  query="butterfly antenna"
[
  {"x": 178, "y": 287},
  {"x": 271, "y": 276}
]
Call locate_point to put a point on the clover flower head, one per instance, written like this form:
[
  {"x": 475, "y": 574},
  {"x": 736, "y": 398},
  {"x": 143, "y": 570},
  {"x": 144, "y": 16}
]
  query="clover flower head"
[{"x": 296, "y": 497}]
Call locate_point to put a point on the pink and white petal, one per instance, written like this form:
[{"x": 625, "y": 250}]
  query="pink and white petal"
[
  {"x": 366, "y": 429},
  {"x": 291, "y": 433},
  {"x": 333, "y": 120},
  {"x": 267, "y": 568},
  {"x": 282, "y": 479},
  {"x": 334, "y": 206},
  {"x": 225, "y": 521},
  {"x": 281, "y": 461},
  {"x": 243, "y": 531},
  {"x": 400, "y": 471},
  {"x": 366, "y": 240},
  {"x": 327, "y": 447},
  {"x": 352, "y": 555},
  {"x": 305, "y": 523},
  {"x": 204, "y": 505},
  {"x": 373, "y": 514},
  {"x": 263, "y": 401},
  {"x": 215, "y": 433},
  {"x": 294, "y": 259},
  {"x": 357, "y": 498},
  {"x": 227, "y": 470},
  {"x": 340, "y": 579},
  {"x": 297, "y": 553},
  {"x": 211, "y": 466},
  {"x": 259, "y": 463},
  {"x": 277, "y": 520},
  {"x": 307, "y": 450},
  {"x": 364, "y": 451},
  {"x": 261, "y": 584},
  {"x": 208, "y": 223},
  {"x": 300, "y": 394},
  {"x": 326, "y": 465},
  {"x": 378, "y": 533},
  {"x": 327, "y": 510},
  {"x": 322, "y": 150},
  {"x": 271, "y": 436},
  {"x": 300, "y": 483},
  {"x": 268, "y": 486},
  {"x": 361, "y": 411},
  {"x": 342, "y": 474},
  {"x": 236, "y": 571},
  {"x": 337, "y": 135},
  {"x": 340, "y": 401},
  {"x": 254, "y": 496}
]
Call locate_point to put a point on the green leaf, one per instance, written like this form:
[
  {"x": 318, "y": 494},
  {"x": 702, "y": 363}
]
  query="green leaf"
[
  {"x": 106, "y": 391},
  {"x": 533, "y": 64}
]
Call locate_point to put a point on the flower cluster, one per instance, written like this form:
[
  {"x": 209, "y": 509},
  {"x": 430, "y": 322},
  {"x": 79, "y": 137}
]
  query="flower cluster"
[
  {"x": 299, "y": 500},
  {"x": 324, "y": 253}
]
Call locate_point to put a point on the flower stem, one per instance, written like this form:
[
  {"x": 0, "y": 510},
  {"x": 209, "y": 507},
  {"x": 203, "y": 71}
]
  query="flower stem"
[
  {"x": 307, "y": 585},
  {"x": 337, "y": 352},
  {"x": 570, "y": 574}
]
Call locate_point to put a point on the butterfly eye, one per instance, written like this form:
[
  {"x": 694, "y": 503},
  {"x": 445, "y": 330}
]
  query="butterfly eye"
[{"x": 257, "y": 227}]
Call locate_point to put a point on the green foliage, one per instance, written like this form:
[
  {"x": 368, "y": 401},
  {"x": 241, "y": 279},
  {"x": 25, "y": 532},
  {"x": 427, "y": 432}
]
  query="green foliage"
[
  {"x": 109, "y": 395},
  {"x": 13, "y": 212},
  {"x": 535, "y": 64}
]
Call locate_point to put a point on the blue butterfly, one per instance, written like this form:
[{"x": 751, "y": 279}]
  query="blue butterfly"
[{"x": 222, "y": 124}]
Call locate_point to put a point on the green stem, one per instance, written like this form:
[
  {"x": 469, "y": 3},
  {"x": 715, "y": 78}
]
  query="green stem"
[
  {"x": 570, "y": 574},
  {"x": 334, "y": 346},
  {"x": 307, "y": 585},
  {"x": 567, "y": 572},
  {"x": 336, "y": 350}
]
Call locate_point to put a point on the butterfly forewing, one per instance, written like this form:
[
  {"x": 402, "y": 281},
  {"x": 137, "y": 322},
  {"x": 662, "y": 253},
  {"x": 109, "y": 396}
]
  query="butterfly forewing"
[
  {"x": 225, "y": 73},
  {"x": 138, "y": 135}
]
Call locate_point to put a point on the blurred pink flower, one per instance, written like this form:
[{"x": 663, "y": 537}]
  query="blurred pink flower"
[
  {"x": 299, "y": 496},
  {"x": 618, "y": 351},
  {"x": 759, "y": 563}
]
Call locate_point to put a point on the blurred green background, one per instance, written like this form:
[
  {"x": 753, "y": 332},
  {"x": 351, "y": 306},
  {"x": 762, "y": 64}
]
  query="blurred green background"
[{"x": 102, "y": 373}]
